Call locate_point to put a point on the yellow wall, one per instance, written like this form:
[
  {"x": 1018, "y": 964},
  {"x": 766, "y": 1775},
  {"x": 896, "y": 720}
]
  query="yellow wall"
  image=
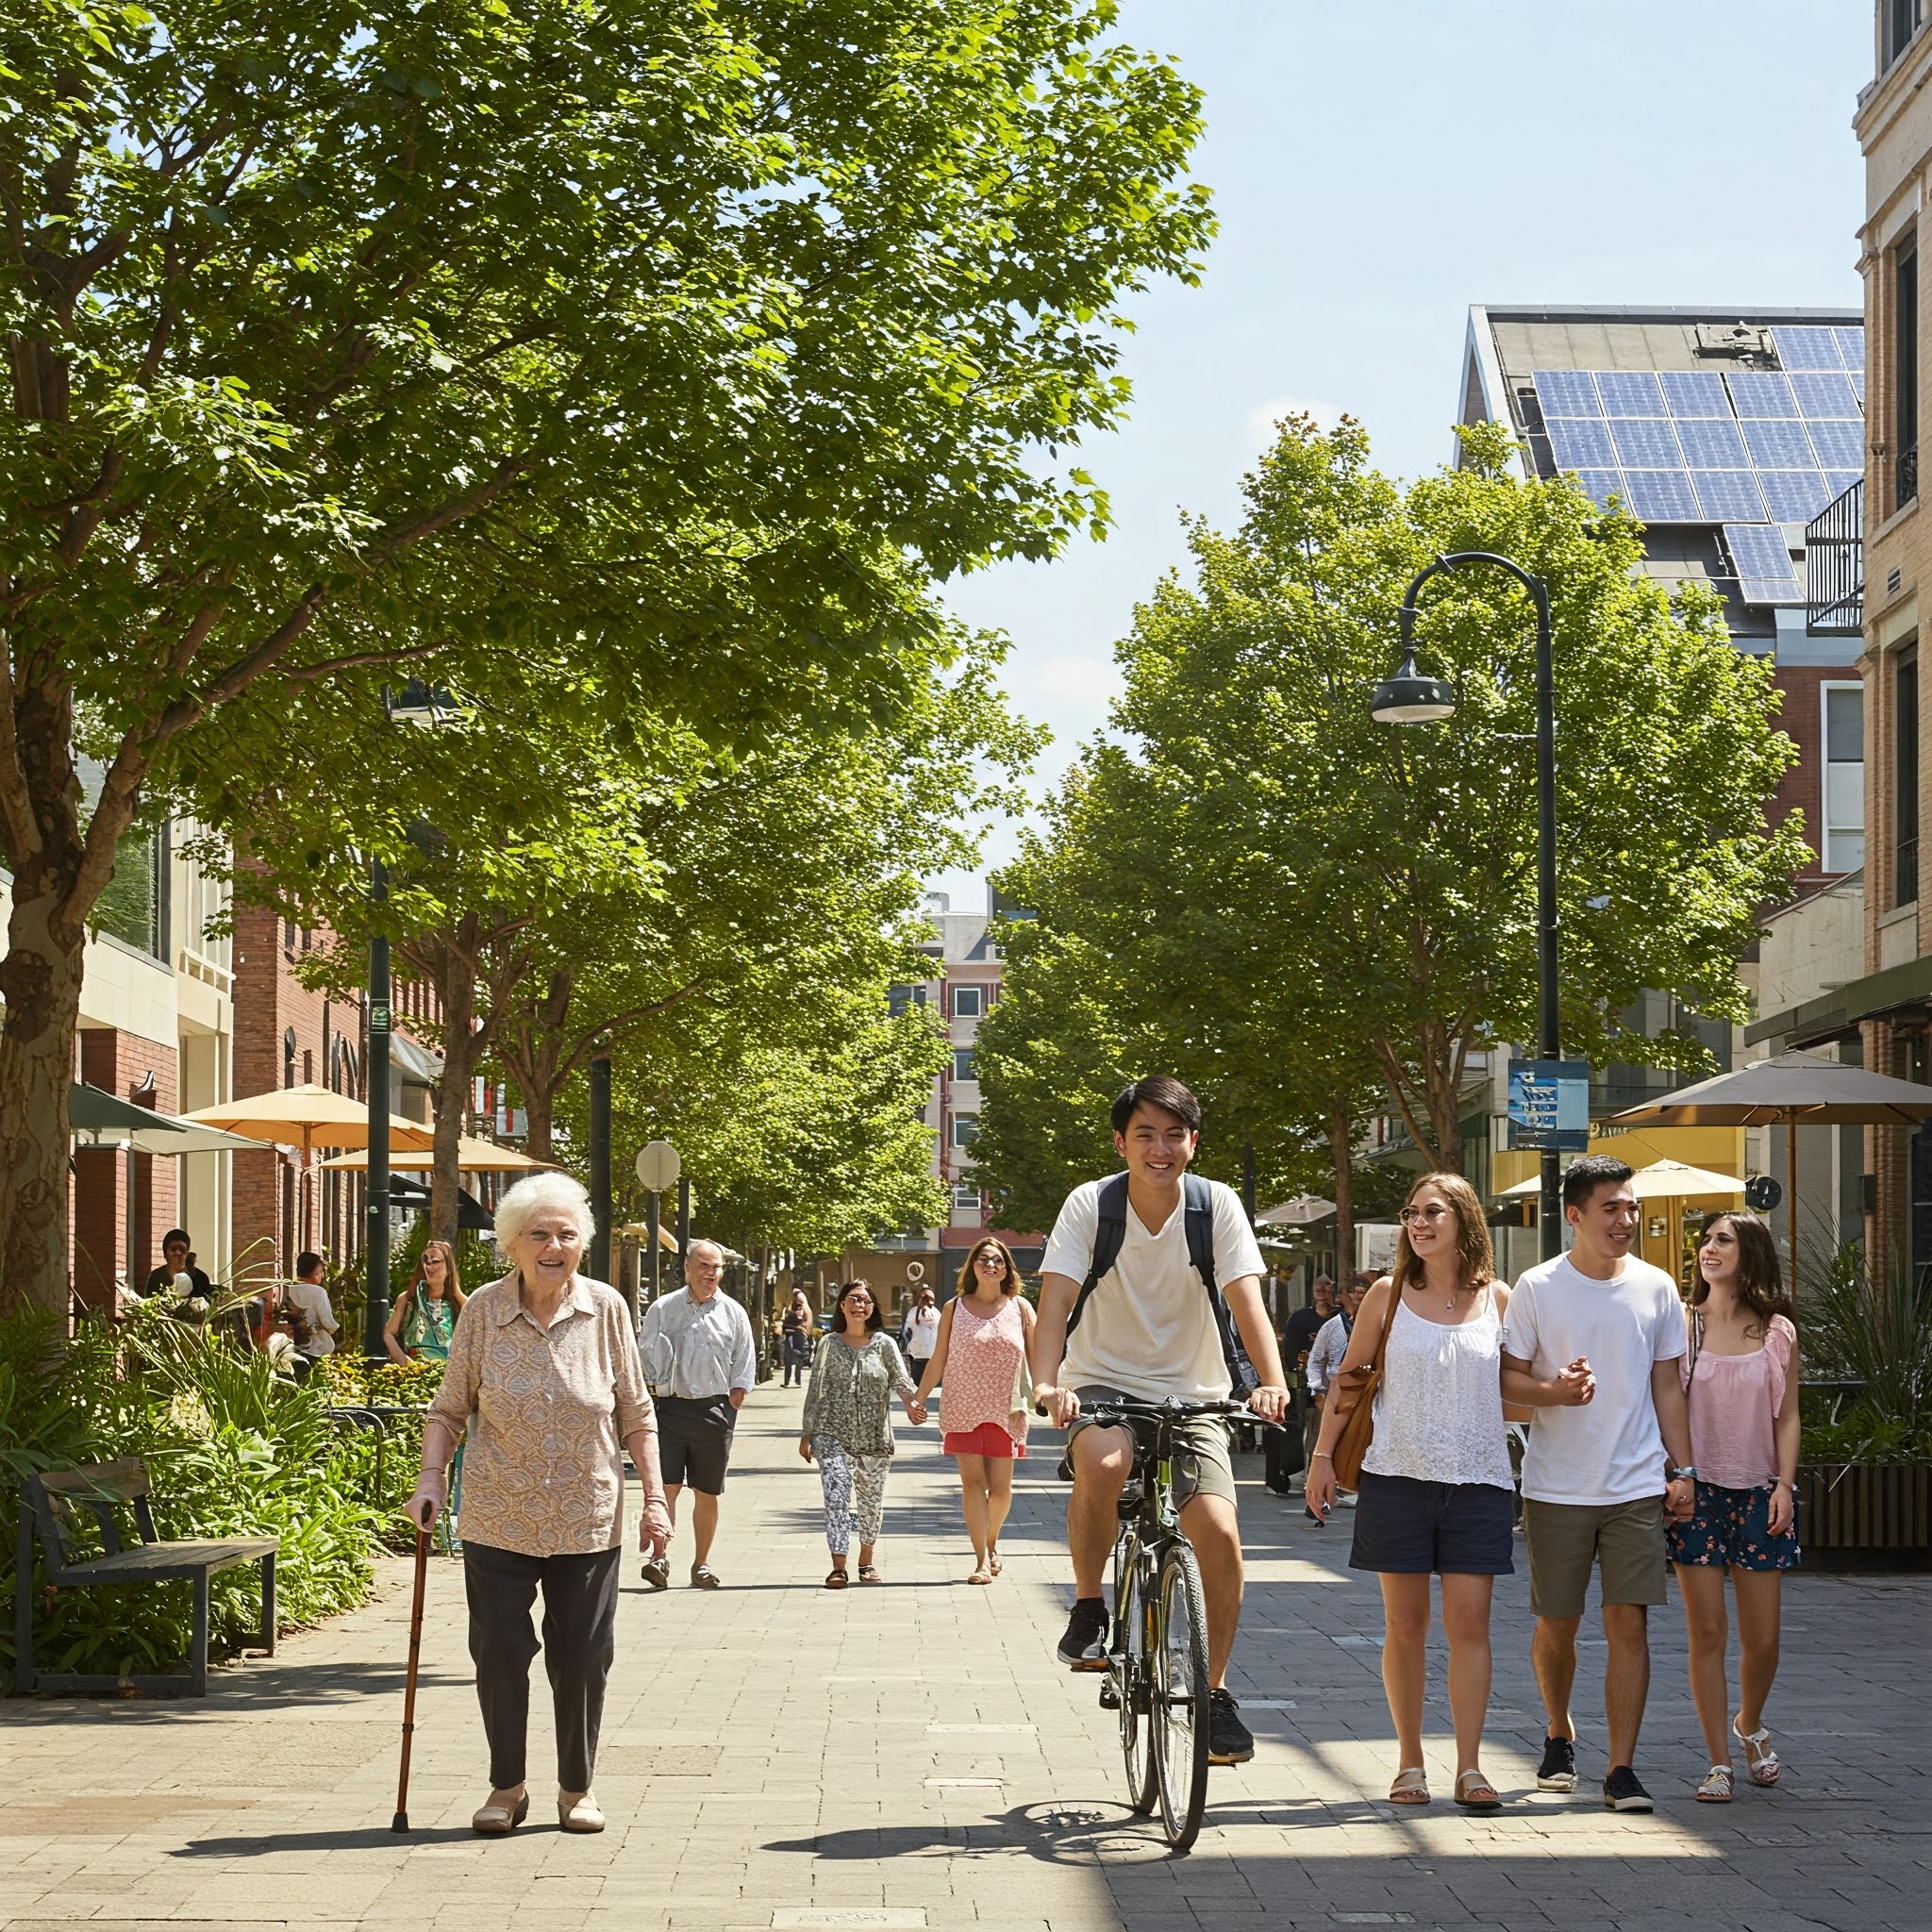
[{"x": 1719, "y": 1149}]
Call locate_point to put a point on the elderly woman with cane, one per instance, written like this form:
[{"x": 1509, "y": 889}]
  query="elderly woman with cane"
[{"x": 543, "y": 1374}]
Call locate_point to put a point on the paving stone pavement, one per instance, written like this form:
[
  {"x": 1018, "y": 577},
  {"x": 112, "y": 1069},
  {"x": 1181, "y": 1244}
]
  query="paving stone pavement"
[{"x": 777, "y": 1754}]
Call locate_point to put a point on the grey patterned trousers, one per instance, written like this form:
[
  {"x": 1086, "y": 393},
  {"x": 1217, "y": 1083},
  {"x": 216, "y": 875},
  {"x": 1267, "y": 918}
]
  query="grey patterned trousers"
[{"x": 855, "y": 1486}]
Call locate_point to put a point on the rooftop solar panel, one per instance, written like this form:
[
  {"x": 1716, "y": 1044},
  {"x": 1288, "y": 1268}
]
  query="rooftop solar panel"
[
  {"x": 1807, "y": 348},
  {"x": 1775, "y": 443},
  {"x": 1580, "y": 442},
  {"x": 1713, "y": 445},
  {"x": 1662, "y": 496},
  {"x": 1851, "y": 345},
  {"x": 1601, "y": 485},
  {"x": 1839, "y": 481},
  {"x": 1828, "y": 395},
  {"x": 1759, "y": 393},
  {"x": 1645, "y": 443},
  {"x": 1629, "y": 393},
  {"x": 1795, "y": 496},
  {"x": 1769, "y": 591},
  {"x": 1858, "y": 382},
  {"x": 1839, "y": 445},
  {"x": 1566, "y": 393},
  {"x": 1723, "y": 494},
  {"x": 1695, "y": 392},
  {"x": 1758, "y": 550}
]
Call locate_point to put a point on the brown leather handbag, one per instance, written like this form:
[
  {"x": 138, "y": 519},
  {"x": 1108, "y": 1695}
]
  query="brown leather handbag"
[{"x": 1354, "y": 1401}]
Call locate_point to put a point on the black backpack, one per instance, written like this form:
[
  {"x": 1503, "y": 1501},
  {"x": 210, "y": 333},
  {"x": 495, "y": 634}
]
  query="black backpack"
[{"x": 1198, "y": 1205}]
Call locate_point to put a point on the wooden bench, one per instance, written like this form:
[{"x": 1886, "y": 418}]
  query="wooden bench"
[{"x": 48, "y": 1503}]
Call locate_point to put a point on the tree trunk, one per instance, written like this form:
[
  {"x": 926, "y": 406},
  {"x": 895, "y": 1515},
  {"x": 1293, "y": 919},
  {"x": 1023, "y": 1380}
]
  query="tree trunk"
[
  {"x": 1342, "y": 1152},
  {"x": 462, "y": 1050},
  {"x": 538, "y": 1115}
]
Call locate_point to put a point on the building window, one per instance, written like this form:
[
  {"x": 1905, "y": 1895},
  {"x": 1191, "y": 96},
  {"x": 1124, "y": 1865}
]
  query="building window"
[
  {"x": 965, "y": 1130},
  {"x": 1845, "y": 777},
  {"x": 969, "y": 1002},
  {"x": 899, "y": 997},
  {"x": 1904, "y": 777},
  {"x": 1901, "y": 19},
  {"x": 963, "y": 1063},
  {"x": 1904, "y": 362},
  {"x": 134, "y": 906},
  {"x": 966, "y": 1196}
]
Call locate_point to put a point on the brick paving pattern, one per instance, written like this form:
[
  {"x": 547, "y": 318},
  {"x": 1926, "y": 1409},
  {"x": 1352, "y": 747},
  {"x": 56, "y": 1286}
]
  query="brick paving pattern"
[{"x": 775, "y": 1754}]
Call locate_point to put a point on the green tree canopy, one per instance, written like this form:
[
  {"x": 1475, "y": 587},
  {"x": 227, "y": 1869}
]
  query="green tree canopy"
[{"x": 345, "y": 335}]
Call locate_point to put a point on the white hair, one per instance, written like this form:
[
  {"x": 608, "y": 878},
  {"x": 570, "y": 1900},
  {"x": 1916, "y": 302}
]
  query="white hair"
[
  {"x": 702, "y": 1242},
  {"x": 542, "y": 1193}
]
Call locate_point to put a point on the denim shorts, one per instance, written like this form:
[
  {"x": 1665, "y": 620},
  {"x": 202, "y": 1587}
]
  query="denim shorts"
[
  {"x": 1405, "y": 1526},
  {"x": 1732, "y": 1527}
]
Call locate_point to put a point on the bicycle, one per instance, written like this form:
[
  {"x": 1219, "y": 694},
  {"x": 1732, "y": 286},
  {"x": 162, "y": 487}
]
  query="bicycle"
[{"x": 1157, "y": 1665}]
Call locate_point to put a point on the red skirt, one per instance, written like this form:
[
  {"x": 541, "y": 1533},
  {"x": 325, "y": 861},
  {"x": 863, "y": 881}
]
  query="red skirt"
[{"x": 988, "y": 1438}]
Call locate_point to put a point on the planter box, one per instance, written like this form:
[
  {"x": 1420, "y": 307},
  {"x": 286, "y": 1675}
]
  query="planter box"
[{"x": 1866, "y": 1516}]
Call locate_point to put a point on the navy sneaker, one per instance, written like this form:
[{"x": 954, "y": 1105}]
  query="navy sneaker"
[
  {"x": 1621, "y": 1792},
  {"x": 1229, "y": 1740},
  {"x": 1557, "y": 1772},
  {"x": 1084, "y": 1646}
]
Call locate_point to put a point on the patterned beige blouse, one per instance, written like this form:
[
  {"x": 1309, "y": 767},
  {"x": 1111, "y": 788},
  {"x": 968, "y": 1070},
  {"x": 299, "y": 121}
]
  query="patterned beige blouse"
[{"x": 547, "y": 1411}]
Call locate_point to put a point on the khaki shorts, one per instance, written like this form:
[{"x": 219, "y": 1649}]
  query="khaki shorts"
[
  {"x": 1567, "y": 1538},
  {"x": 1205, "y": 1468}
]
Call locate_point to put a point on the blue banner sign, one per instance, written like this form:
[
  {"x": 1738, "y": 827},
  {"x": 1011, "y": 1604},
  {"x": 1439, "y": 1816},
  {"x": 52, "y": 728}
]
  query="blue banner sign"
[{"x": 1549, "y": 1105}]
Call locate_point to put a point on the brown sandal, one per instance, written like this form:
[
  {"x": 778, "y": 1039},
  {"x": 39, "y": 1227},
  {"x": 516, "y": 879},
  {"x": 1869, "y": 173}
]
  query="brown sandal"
[
  {"x": 867, "y": 1574},
  {"x": 837, "y": 1580}
]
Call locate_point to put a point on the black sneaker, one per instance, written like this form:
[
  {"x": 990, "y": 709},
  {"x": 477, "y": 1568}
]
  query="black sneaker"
[
  {"x": 1621, "y": 1792},
  {"x": 1229, "y": 1740},
  {"x": 1084, "y": 1646},
  {"x": 1557, "y": 1772}
]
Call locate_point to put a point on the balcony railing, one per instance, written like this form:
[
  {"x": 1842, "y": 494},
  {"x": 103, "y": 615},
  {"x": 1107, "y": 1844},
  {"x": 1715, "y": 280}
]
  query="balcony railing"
[
  {"x": 1835, "y": 566},
  {"x": 1905, "y": 873},
  {"x": 1907, "y": 475}
]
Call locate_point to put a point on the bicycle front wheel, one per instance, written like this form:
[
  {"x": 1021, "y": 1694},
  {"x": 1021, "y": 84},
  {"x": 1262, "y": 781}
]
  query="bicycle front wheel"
[
  {"x": 1179, "y": 1715},
  {"x": 1135, "y": 1682}
]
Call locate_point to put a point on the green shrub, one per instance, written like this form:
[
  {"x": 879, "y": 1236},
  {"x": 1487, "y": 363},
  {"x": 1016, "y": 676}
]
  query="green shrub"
[{"x": 231, "y": 1450}]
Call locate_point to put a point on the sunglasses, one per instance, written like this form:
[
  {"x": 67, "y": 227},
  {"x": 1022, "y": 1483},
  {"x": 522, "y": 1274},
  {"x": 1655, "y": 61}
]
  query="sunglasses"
[{"x": 1438, "y": 1212}]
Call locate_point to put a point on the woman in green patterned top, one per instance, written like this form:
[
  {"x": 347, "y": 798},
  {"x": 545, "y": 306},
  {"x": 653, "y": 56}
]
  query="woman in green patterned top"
[
  {"x": 848, "y": 1429},
  {"x": 422, "y": 1320}
]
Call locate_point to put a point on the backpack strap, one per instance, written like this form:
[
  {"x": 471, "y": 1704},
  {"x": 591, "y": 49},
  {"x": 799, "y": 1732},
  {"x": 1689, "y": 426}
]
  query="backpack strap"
[
  {"x": 1110, "y": 1236},
  {"x": 1198, "y": 1198}
]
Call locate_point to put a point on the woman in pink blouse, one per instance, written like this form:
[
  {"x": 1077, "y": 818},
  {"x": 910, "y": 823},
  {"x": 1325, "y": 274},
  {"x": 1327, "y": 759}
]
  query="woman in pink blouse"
[
  {"x": 982, "y": 1341},
  {"x": 544, "y": 1378},
  {"x": 1741, "y": 1377}
]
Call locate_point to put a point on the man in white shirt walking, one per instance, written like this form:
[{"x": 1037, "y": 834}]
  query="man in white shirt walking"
[
  {"x": 1591, "y": 1343},
  {"x": 701, "y": 1360},
  {"x": 1150, "y": 1328}
]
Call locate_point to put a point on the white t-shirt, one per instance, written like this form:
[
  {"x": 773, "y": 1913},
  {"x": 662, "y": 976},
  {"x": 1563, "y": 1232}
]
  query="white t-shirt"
[
  {"x": 1148, "y": 1328},
  {"x": 1611, "y": 1450},
  {"x": 922, "y": 1333},
  {"x": 310, "y": 1299}
]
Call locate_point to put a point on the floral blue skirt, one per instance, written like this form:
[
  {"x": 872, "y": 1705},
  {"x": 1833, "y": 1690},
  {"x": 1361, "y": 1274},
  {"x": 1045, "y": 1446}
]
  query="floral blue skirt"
[{"x": 1732, "y": 1527}]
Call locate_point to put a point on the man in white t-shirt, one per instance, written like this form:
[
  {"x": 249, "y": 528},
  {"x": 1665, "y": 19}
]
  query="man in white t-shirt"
[
  {"x": 1592, "y": 1341},
  {"x": 1149, "y": 1330}
]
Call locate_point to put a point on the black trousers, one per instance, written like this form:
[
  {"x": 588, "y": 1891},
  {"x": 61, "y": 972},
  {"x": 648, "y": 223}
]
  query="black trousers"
[{"x": 579, "y": 1641}]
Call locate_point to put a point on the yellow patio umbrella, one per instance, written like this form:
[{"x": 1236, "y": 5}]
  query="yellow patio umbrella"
[
  {"x": 472, "y": 1157},
  {"x": 1662, "y": 1180}
]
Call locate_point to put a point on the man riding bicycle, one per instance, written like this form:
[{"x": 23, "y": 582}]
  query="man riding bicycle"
[{"x": 1150, "y": 1287}]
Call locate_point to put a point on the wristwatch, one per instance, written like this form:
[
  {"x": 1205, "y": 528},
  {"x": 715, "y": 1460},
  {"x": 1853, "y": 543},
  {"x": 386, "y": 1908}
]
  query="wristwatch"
[{"x": 1685, "y": 1473}]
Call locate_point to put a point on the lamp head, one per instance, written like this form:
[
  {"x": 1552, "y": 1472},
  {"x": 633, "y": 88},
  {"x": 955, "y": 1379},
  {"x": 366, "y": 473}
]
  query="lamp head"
[
  {"x": 1410, "y": 698},
  {"x": 417, "y": 702}
]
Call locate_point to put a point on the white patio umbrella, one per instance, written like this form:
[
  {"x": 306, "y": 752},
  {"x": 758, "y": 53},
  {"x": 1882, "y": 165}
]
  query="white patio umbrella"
[{"x": 472, "y": 1157}]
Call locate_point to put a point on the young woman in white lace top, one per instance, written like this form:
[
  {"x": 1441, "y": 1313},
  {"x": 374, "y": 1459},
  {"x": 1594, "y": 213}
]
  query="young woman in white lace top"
[{"x": 1436, "y": 1492}]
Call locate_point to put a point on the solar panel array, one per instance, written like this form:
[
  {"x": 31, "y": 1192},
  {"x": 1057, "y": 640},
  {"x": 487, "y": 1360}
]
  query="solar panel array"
[{"x": 1746, "y": 448}]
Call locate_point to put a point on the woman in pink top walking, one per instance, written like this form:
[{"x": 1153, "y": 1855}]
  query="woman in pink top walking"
[
  {"x": 983, "y": 1338},
  {"x": 1742, "y": 1376}
]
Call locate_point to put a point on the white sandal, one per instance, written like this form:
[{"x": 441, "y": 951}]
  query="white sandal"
[
  {"x": 1760, "y": 1760},
  {"x": 1716, "y": 1788}
]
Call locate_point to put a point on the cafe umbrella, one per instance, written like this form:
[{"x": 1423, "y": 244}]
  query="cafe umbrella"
[{"x": 1792, "y": 1090}]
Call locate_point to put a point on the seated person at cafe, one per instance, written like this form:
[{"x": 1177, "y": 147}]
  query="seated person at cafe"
[{"x": 176, "y": 1261}]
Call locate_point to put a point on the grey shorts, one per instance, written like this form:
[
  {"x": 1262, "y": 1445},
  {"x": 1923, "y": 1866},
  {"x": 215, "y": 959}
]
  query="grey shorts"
[
  {"x": 1567, "y": 1540},
  {"x": 1205, "y": 1469}
]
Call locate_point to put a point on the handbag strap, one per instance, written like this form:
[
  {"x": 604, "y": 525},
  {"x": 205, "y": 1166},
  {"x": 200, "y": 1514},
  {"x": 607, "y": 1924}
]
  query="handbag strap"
[{"x": 1388, "y": 1322}]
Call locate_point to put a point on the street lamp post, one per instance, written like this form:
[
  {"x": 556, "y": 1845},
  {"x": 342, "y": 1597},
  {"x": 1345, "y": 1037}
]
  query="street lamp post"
[{"x": 1408, "y": 698}]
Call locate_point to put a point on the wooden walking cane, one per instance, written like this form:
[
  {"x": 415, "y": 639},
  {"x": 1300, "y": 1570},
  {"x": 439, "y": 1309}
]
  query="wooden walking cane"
[{"x": 401, "y": 1821}]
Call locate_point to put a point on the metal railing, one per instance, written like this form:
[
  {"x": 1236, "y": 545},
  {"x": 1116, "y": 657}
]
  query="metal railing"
[
  {"x": 1835, "y": 566},
  {"x": 1905, "y": 875},
  {"x": 1907, "y": 475}
]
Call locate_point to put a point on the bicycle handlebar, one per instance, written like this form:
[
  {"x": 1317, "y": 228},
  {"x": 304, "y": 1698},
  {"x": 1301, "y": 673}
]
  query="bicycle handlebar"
[{"x": 1124, "y": 1408}]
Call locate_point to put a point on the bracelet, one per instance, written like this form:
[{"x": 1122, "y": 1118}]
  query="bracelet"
[
  {"x": 440, "y": 1474},
  {"x": 1321, "y": 1455}
]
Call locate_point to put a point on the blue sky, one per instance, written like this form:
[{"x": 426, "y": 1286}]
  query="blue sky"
[{"x": 1377, "y": 168}]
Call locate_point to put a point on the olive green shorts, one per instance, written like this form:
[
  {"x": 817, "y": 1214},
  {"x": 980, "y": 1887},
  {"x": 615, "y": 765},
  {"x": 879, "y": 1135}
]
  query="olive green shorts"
[
  {"x": 1204, "y": 1469},
  {"x": 1568, "y": 1540}
]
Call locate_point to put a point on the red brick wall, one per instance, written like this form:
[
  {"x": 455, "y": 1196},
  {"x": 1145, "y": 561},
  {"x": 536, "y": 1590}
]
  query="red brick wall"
[
  {"x": 1803, "y": 786},
  {"x": 118, "y": 1064}
]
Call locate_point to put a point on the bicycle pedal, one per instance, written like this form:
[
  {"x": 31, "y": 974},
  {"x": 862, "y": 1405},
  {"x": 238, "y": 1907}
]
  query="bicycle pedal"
[{"x": 1109, "y": 1696}]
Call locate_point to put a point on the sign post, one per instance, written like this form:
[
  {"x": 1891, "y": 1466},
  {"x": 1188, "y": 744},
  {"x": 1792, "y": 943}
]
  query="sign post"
[
  {"x": 1549, "y": 1112},
  {"x": 658, "y": 1167}
]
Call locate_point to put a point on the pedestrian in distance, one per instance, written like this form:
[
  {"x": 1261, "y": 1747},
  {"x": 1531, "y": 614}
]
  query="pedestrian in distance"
[
  {"x": 543, "y": 1375},
  {"x": 794, "y": 1340},
  {"x": 983, "y": 1334},
  {"x": 1154, "y": 1312},
  {"x": 307, "y": 1298},
  {"x": 424, "y": 1316},
  {"x": 702, "y": 1359},
  {"x": 919, "y": 1335},
  {"x": 1325, "y": 1362},
  {"x": 1592, "y": 1343},
  {"x": 1297, "y": 1340},
  {"x": 1437, "y": 1497},
  {"x": 848, "y": 1427},
  {"x": 1741, "y": 1384}
]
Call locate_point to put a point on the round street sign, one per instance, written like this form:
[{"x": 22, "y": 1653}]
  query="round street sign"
[
  {"x": 1762, "y": 1193},
  {"x": 915, "y": 1271},
  {"x": 659, "y": 1166}
]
